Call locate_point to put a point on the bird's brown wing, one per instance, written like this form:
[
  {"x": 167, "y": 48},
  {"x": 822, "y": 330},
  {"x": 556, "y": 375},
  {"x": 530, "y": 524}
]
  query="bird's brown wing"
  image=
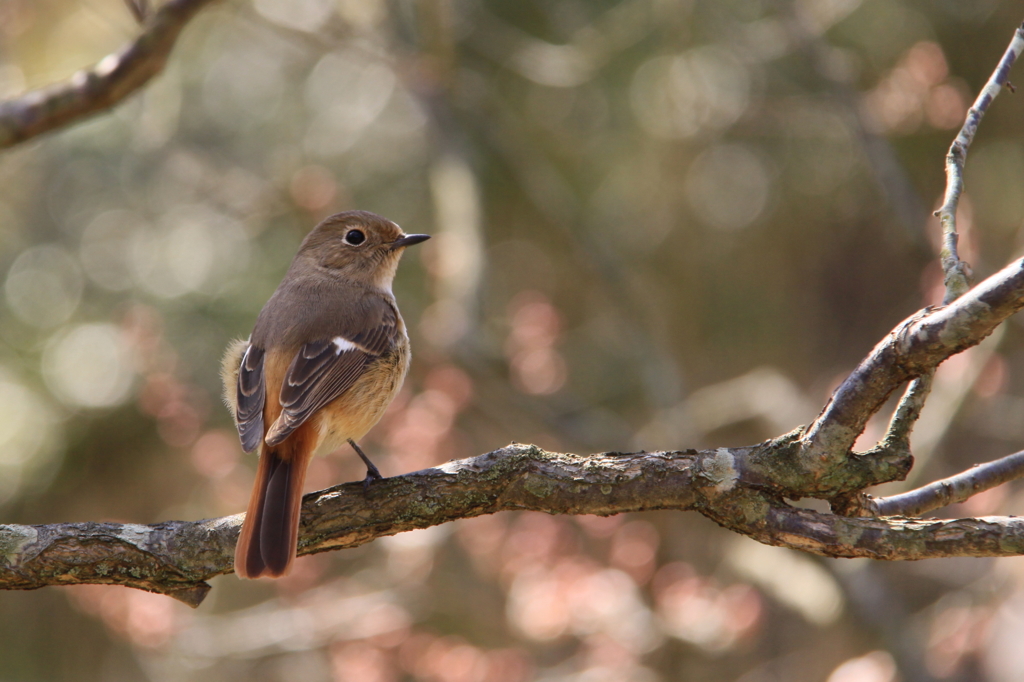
[
  {"x": 251, "y": 396},
  {"x": 323, "y": 370}
]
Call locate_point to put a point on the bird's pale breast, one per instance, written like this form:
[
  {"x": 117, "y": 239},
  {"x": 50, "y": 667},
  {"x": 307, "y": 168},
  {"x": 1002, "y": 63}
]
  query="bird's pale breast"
[{"x": 357, "y": 410}]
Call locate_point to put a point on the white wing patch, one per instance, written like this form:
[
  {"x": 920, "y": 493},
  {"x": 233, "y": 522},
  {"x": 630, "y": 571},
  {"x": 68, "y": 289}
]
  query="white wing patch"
[{"x": 342, "y": 344}]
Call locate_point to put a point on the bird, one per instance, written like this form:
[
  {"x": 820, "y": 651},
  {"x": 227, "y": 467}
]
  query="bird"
[{"x": 326, "y": 357}]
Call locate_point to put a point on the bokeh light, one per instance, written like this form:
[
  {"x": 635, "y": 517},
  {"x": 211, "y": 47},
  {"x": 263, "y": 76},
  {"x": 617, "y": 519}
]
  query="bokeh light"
[
  {"x": 89, "y": 365},
  {"x": 30, "y": 437},
  {"x": 44, "y": 286},
  {"x": 704, "y": 90},
  {"x": 728, "y": 186}
]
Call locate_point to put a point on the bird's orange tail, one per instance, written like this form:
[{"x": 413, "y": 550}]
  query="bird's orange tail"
[{"x": 266, "y": 546}]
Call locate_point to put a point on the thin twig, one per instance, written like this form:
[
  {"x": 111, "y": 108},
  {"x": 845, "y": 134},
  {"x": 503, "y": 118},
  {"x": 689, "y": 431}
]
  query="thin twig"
[
  {"x": 955, "y": 271},
  {"x": 107, "y": 83},
  {"x": 954, "y": 489},
  {"x": 907, "y": 412}
]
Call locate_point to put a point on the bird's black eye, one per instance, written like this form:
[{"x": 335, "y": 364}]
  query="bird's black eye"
[{"x": 355, "y": 237}]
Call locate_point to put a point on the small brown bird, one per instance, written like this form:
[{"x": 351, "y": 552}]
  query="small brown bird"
[{"x": 328, "y": 354}]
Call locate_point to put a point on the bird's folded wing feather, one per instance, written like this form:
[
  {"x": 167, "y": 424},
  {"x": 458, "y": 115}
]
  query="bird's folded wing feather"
[
  {"x": 251, "y": 396},
  {"x": 323, "y": 370}
]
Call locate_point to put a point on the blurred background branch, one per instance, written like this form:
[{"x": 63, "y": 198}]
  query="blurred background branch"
[{"x": 93, "y": 90}]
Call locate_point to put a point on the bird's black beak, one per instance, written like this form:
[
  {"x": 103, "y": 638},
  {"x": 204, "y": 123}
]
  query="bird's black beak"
[{"x": 409, "y": 240}]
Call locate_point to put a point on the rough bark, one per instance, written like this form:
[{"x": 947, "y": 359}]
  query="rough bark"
[{"x": 178, "y": 557}]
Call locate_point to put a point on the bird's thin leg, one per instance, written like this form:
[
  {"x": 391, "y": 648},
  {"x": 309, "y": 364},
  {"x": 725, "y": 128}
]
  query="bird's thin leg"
[{"x": 372, "y": 473}]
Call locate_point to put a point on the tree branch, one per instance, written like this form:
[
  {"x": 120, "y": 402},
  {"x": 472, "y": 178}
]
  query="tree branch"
[
  {"x": 891, "y": 538},
  {"x": 954, "y": 270},
  {"x": 956, "y": 276},
  {"x": 107, "y": 83},
  {"x": 833, "y": 433},
  {"x": 176, "y": 558},
  {"x": 951, "y": 490},
  {"x": 913, "y": 349}
]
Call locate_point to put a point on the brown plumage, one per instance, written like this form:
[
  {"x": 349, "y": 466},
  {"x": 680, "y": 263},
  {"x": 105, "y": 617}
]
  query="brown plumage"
[{"x": 327, "y": 355}]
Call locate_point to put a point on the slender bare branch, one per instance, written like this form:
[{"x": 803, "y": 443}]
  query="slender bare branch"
[
  {"x": 955, "y": 271},
  {"x": 107, "y": 83},
  {"x": 908, "y": 411},
  {"x": 951, "y": 490},
  {"x": 828, "y": 440}
]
